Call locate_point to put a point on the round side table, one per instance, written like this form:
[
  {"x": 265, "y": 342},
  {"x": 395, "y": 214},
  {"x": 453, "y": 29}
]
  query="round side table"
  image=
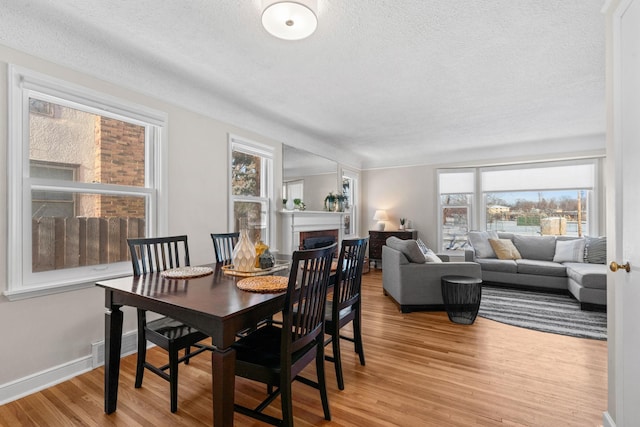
[{"x": 461, "y": 296}]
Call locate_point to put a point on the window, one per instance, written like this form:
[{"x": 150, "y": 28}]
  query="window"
[
  {"x": 456, "y": 189},
  {"x": 251, "y": 182},
  {"x": 84, "y": 174},
  {"x": 294, "y": 190},
  {"x": 551, "y": 198},
  {"x": 540, "y": 199},
  {"x": 350, "y": 192}
]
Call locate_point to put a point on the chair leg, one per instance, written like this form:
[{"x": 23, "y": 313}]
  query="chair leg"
[
  {"x": 187, "y": 351},
  {"x": 357, "y": 335},
  {"x": 322, "y": 383},
  {"x": 173, "y": 377},
  {"x": 286, "y": 401},
  {"x": 337, "y": 359},
  {"x": 142, "y": 348}
]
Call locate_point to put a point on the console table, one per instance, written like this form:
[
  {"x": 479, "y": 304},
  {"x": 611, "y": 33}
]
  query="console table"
[{"x": 378, "y": 238}]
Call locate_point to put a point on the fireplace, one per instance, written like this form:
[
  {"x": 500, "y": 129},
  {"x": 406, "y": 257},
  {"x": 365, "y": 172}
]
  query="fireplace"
[
  {"x": 318, "y": 238},
  {"x": 319, "y": 226}
]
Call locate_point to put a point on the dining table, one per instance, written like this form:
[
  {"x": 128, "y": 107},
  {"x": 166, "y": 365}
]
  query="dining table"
[{"x": 212, "y": 304}]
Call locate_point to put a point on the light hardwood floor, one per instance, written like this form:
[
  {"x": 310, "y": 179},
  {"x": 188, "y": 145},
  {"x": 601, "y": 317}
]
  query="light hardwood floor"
[{"x": 421, "y": 370}]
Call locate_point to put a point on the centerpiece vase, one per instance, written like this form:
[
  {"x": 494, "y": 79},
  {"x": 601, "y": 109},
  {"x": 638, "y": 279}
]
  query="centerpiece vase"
[{"x": 244, "y": 253}]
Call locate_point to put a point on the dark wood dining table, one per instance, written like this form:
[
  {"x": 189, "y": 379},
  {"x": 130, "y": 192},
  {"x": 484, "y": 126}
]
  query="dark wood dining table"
[{"x": 213, "y": 304}]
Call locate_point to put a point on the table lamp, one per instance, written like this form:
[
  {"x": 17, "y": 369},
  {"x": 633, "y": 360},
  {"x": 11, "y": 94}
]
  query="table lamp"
[{"x": 381, "y": 217}]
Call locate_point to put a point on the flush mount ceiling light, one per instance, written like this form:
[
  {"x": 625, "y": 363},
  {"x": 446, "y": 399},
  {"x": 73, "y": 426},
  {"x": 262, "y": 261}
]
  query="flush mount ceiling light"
[{"x": 290, "y": 20}]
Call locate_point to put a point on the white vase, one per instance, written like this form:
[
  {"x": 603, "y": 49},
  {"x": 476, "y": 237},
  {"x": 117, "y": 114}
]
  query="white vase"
[
  {"x": 244, "y": 253},
  {"x": 289, "y": 205}
]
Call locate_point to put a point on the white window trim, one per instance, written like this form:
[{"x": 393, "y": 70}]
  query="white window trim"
[
  {"x": 478, "y": 213},
  {"x": 354, "y": 175},
  {"x": 21, "y": 83},
  {"x": 237, "y": 143}
]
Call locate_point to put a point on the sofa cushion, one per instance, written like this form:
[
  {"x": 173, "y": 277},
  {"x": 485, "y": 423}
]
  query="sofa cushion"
[
  {"x": 504, "y": 249},
  {"x": 480, "y": 242},
  {"x": 569, "y": 250},
  {"x": 540, "y": 248},
  {"x": 409, "y": 248},
  {"x": 595, "y": 250},
  {"x": 588, "y": 275},
  {"x": 499, "y": 265},
  {"x": 541, "y": 268}
]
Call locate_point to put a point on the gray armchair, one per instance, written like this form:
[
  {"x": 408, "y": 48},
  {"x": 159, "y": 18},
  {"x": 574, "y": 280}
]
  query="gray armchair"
[{"x": 416, "y": 286}]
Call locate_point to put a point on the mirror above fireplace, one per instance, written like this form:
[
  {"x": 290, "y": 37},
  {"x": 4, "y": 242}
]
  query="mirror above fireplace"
[{"x": 308, "y": 177}]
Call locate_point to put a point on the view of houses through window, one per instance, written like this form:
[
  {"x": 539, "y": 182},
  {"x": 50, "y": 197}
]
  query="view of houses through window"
[
  {"x": 84, "y": 174},
  {"x": 553, "y": 198},
  {"x": 539, "y": 213},
  {"x": 71, "y": 226},
  {"x": 250, "y": 194}
]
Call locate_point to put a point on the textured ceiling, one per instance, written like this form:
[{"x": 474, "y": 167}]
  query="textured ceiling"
[{"x": 395, "y": 82}]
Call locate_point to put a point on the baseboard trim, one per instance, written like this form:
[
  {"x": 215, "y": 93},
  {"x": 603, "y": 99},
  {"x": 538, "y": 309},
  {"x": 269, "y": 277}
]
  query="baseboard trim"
[
  {"x": 25, "y": 386},
  {"x": 129, "y": 346}
]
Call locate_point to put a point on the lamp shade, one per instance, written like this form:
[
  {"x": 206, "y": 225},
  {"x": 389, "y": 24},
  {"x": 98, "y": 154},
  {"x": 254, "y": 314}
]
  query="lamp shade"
[
  {"x": 290, "y": 20},
  {"x": 380, "y": 215}
]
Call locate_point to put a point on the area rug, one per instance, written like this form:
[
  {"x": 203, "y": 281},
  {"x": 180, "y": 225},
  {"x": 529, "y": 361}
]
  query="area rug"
[{"x": 546, "y": 312}]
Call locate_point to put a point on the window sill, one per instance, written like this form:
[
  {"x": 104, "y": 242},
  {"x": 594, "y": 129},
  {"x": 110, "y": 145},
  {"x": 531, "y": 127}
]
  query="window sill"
[{"x": 33, "y": 292}]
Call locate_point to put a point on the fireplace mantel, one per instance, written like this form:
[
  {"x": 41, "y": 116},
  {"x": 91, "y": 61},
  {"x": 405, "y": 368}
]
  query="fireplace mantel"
[{"x": 293, "y": 222}]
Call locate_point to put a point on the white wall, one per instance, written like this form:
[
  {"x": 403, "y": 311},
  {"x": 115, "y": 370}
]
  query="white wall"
[
  {"x": 407, "y": 192},
  {"x": 42, "y": 333}
]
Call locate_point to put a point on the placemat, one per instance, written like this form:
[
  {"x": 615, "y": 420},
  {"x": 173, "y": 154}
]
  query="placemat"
[
  {"x": 264, "y": 284},
  {"x": 186, "y": 272},
  {"x": 230, "y": 270}
]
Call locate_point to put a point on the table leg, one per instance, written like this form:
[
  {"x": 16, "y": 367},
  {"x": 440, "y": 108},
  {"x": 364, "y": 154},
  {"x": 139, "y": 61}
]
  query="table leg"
[
  {"x": 112, "y": 346},
  {"x": 223, "y": 370}
]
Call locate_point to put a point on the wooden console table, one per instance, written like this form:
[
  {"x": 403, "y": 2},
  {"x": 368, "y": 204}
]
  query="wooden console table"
[{"x": 378, "y": 238}]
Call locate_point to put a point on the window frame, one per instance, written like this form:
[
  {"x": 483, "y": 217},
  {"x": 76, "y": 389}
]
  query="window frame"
[
  {"x": 266, "y": 153},
  {"x": 478, "y": 209},
  {"x": 354, "y": 203},
  {"x": 24, "y": 84}
]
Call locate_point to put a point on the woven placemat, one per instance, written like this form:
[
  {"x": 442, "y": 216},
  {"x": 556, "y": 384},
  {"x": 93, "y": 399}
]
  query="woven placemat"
[
  {"x": 264, "y": 284},
  {"x": 186, "y": 272}
]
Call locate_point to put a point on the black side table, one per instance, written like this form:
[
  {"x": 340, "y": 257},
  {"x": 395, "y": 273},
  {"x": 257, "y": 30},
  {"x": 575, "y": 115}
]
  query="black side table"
[{"x": 461, "y": 296}]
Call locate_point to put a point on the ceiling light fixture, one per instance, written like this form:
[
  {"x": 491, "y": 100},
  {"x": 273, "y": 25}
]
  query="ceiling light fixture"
[{"x": 290, "y": 20}]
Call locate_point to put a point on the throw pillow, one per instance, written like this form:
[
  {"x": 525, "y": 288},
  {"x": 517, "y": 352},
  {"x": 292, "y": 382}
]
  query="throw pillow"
[
  {"x": 480, "y": 242},
  {"x": 409, "y": 248},
  {"x": 504, "y": 249},
  {"x": 540, "y": 248},
  {"x": 423, "y": 248},
  {"x": 569, "y": 251},
  {"x": 595, "y": 251},
  {"x": 431, "y": 256}
]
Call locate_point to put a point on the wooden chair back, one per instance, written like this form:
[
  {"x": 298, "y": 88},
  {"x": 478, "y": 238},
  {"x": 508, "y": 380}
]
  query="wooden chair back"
[
  {"x": 223, "y": 244},
  {"x": 303, "y": 313},
  {"x": 154, "y": 254},
  {"x": 346, "y": 291}
]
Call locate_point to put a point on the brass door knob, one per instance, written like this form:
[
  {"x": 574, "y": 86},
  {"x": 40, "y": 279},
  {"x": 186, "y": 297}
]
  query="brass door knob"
[{"x": 614, "y": 266}]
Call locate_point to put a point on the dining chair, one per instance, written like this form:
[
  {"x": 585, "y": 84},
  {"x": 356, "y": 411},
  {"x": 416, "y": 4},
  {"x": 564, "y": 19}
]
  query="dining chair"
[
  {"x": 223, "y": 244},
  {"x": 275, "y": 355},
  {"x": 345, "y": 306},
  {"x": 150, "y": 255}
]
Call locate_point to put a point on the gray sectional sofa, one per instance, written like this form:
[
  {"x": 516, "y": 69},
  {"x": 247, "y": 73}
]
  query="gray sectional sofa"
[
  {"x": 547, "y": 262},
  {"x": 412, "y": 277}
]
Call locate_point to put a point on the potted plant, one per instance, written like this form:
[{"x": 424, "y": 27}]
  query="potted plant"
[
  {"x": 330, "y": 202},
  {"x": 299, "y": 204},
  {"x": 402, "y": 223},
  {"x": 341, "y": 201}
]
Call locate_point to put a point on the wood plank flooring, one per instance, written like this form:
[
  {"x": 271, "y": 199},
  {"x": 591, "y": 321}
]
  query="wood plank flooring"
[{"x": 421, "y": 370}]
